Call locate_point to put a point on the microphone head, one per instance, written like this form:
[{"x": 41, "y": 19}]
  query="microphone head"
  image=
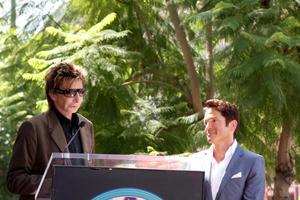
[{"x": 81, "y": 124}]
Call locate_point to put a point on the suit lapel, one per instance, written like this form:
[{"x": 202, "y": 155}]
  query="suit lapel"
[
  {"x": 57, "y": 134},
  {"x": 202, "y": 162},
  {"x": 230, "y": 168},
  {"x": 205, "y": 165},
  {"x": 56, "y": 131},
  {"x": 207, "y": 168},
  {"x": 85, "y": 139}
]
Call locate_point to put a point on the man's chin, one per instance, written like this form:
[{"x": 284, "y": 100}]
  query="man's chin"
[
  {"x": 74, "y": 109},
  {"x": 209, "y": 140}
]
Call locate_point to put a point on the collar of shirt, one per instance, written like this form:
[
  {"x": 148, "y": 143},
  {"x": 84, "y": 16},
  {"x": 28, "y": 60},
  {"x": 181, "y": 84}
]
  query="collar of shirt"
[
  {"x": 228, "y": 153},
  {"x": 65, "y": 121},
  {"x": 70, "y": 127}
]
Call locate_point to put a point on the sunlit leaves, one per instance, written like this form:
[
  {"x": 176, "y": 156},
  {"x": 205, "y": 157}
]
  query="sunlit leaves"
[
  {"x": 39, "y": 77},
  {"x": 279, "y": 39},
  {"x": 290, "y": 24},
  {"x": 104, "y": 22},
  {"x": 223, "y": 6},
  {"x": 194, "y": 118}
]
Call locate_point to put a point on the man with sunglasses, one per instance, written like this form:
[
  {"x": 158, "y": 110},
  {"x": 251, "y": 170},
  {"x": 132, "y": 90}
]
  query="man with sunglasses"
[{"x": 52, "y": 131}]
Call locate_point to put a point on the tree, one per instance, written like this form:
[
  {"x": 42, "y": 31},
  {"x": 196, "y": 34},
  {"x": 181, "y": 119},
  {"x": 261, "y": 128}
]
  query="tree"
[
  {"x": 260, "y": 73},
  {"x": 157, "y": 75},
  {"x": 181, "y": 37},
  {"x": 19, "y": 99},
  {"x": 140, "y": 95}
]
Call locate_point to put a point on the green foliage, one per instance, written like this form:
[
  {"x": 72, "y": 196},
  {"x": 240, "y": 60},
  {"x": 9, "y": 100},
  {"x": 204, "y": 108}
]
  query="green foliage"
[
  {"x": 18, "y": 97},
  {"x": 264, "y": 69},
  {"x": 257, "y": 66},
  {"x": 148, "y": 125},
  {"x": 119, "y": 128},
  {"x": 118, "y": 77},
  {"x": 14, "y": 104},
  {"x": 138, "y": 90}
]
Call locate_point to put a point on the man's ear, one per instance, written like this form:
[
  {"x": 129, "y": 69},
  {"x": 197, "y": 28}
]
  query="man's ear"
[{"x": 233, "y": 124}]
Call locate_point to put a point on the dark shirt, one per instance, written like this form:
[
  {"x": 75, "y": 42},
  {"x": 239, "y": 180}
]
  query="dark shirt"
[{"x": 70, "y": 127}]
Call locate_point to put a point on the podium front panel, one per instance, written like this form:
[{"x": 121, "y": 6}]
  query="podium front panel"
[
  {"x": 162, "y": 175},
  {"x": 103, "y": 183}
]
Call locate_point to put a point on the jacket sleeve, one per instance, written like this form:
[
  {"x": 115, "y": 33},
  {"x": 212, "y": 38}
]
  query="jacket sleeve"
[
  {"x": 20, "y": 179},
  {"x": 256, "y": 181},
  {"x": 93, "y": 139}
]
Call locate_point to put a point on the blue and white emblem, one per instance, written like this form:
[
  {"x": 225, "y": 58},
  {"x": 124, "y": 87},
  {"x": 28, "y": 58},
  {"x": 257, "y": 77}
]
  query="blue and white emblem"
[{"x": 127, "y": 194}]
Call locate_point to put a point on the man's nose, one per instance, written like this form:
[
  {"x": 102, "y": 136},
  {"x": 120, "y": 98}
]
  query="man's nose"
[
  {"x": 207, "y": 127},
  {"x": 76, "y": 97}
]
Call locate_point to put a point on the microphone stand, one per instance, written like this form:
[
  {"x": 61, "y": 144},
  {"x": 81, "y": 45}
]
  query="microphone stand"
[{"x": 80, "y": 125}]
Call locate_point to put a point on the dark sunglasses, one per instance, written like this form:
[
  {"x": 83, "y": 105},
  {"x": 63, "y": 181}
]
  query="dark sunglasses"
[{"x": 70, "y": 92}]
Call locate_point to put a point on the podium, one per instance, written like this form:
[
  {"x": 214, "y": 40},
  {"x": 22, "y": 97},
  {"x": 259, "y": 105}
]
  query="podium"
[{"x": 119, "y": 177}]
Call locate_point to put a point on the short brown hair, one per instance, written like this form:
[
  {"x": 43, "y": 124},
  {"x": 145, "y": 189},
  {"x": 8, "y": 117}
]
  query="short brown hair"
[
  {"x": 228, "y": 110},
  {"x": 60, "y": 73}
]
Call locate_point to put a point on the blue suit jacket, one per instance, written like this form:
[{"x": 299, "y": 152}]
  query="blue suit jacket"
[{"x": 244, "y": 177}]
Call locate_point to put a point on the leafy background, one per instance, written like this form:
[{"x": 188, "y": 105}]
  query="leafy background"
[{"x": 139, "y": 91}]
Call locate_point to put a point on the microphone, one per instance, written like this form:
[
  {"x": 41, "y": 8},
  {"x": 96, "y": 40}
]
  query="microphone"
[{"x": 80, "y": 125}]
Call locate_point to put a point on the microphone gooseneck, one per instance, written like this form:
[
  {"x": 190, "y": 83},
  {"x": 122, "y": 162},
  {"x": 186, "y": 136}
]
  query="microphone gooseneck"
[{"x": 80, "y": 125}]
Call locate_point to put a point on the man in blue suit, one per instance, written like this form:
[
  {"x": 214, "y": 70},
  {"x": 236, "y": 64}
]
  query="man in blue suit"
[{"x": 231, "y": 172}]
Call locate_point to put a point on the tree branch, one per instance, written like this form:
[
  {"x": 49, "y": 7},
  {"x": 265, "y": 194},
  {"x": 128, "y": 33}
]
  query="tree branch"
[{"x": 187, "y": 54}]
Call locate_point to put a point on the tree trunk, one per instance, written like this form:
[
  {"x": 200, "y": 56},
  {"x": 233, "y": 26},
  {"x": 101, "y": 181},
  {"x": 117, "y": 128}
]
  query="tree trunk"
[
  {"x": 13, "y": 14},
  {"x": 285, "y": 166},
  {"x": 187, "y": 54},
  {"x": 210, "y": 64}
]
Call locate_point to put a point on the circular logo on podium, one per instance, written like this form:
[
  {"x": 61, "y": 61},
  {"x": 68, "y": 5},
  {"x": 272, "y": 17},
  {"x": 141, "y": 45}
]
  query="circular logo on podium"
[{"x": 127, "y": 194}]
